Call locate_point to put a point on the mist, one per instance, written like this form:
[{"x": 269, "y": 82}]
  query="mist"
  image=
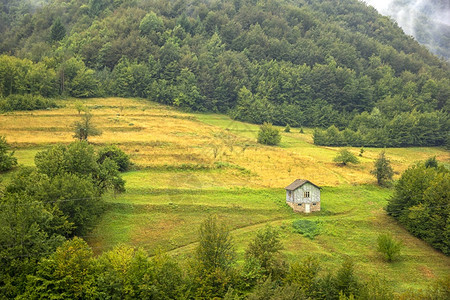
[{"x": 428, "y": 21}]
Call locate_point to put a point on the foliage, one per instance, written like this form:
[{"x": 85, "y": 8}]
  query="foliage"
[
  {"x": 116, "y": 154},
  {"x": 383, "y": 170},
  {"x": 388, "y": 247},
  {"x": 29, "y": 230},
  {"x": 215, "y": 249},
  {"x": 79, "y": 158},
  {"x": 421, "y": 204},
  {"x": 268, "y": 135},
  {"x": 215, "y": 257},
  {"x": 265, "y": 250},
  {"x": 291, "y": 63},
  {"x": 25, "y": 102},
  {"x": 57, "y": 31},
  {"x": 345, "y": 157},
  {"x": 431, "y": 162},
  {"x": 66, "y": 273},
  {"x": 307, "y": 228},
  {"x": 305, "y": 274},
  {"x": 374, "y": 130},
  {"x": 346, "y": 281},
  {"x": 84, "y": 128},
  {"x": 7, "y": 160},
  {"x": 287, "y": 128}
]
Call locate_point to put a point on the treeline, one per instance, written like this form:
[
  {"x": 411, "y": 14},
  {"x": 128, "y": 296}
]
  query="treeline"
[
  {"x": 43, "y": 206},
  {"x": 421, "y": 203},
  {"x": 304, "y": 63},
  {"x": 73, "y": 271},
  {"x": 402, "y": 130}
]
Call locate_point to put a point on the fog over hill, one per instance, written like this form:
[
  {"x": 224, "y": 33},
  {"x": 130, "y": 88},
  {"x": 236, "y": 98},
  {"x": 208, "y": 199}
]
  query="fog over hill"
[{"x": 427, "y": 20}]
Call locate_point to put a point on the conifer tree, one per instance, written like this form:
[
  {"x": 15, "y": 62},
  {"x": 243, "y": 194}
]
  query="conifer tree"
[
  {"x": 58, "y": 31},
  {"x": 383, "y": 170}
]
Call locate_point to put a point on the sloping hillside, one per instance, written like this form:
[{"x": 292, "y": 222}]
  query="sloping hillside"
[
  {"x": 304, "y": 63},
  {"x": 188, "y": 166}
]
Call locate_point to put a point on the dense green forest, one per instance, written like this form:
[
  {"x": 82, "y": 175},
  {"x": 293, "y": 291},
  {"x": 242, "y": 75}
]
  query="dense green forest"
[{"x": 305, "y": 63}]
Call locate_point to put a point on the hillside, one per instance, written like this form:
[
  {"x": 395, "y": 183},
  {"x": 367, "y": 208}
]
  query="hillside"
[
  {"x": 304, "y": 63},
  {"x": 178, "y": 180}
]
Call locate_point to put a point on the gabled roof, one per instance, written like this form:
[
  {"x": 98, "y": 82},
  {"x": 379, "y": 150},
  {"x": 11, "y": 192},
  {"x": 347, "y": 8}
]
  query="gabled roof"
[{"x": 298, "y": 183}]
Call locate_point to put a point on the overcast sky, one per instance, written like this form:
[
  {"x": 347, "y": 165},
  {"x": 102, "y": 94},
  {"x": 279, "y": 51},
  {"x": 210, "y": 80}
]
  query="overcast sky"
[{"x": 380, "y": 5}]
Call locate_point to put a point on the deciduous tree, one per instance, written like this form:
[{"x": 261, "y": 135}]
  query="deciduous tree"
[{"x": 345, "y": 157}]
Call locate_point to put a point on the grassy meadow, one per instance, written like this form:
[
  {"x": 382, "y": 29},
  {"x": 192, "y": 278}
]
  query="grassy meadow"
[{"x": 187, "y": 166}]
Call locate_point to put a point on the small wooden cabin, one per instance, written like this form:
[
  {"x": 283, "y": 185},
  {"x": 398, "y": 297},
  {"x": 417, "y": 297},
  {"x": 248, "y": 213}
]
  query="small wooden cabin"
[{"x": 303, "y": 196}]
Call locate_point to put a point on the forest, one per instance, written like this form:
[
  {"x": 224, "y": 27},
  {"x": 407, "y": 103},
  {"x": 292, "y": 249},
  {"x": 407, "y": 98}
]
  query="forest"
[{"x": 303, "y": 63}]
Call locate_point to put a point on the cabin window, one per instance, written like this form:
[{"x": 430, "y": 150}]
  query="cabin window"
[
  {"x": 306, "y": 195},
  {"x": 300, "y": 204},
  {"x": 314, "y": 203},
  {"x": 290, "y": 193}
]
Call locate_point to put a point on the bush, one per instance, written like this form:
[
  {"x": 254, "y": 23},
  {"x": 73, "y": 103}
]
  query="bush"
[
  {"x": 7, "y": 160},
  {"x": 307, "y": 228},
  {"x": 117, "y": 155},
  {"x": 287, "y": 128},
  {"x": 269, "y": 135},
  {"x": 25, "y": 102},
  {"x": 388, "y": 247},
  {"x": 345, "y": 157}
]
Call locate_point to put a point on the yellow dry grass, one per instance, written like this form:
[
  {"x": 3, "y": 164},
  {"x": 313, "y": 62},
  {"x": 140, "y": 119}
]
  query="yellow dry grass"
[{"x": 157, "y": 136}]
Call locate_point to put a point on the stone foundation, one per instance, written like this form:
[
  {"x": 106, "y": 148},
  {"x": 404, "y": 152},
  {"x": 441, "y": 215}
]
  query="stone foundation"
[{"x": 301, "y": 208}]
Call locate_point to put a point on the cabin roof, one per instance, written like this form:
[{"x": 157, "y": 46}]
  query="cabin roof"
[{"x": 298, "y": 183}]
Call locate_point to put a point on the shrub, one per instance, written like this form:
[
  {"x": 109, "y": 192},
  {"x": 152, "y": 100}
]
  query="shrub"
[
  {"x": 25, "y": 102},
  {"x": 7, "y": 160},
  {"x": 84, "y": 129},
  {"x": 269, "y": 135},
  {"x": 344, "y": 157},
  {"x": 287, "y": 128},
  {"x": 117, "y": 155},
  {"x": 307, "y": 228},
  {"x": 431, "y": 162},
  {"x": 388, "y": 247}
]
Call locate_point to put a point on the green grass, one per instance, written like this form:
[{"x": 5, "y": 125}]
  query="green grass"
[{"x": 177, "y": 184}]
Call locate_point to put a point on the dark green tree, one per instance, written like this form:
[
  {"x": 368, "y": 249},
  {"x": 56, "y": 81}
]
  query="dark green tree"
[
  {"x": 29, "y": 230},
  {"x": 116, "y": 154},
  {"x": 58, "y": 31},
  {"x": 383, "y": 170},
  {"x": 7, "y": 159},
  {"x": 420, "y": 203},
  {"x": 431, "y": 162}
]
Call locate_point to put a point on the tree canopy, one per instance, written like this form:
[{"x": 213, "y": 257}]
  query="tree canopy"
[{"x": 303, "y": 63}]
